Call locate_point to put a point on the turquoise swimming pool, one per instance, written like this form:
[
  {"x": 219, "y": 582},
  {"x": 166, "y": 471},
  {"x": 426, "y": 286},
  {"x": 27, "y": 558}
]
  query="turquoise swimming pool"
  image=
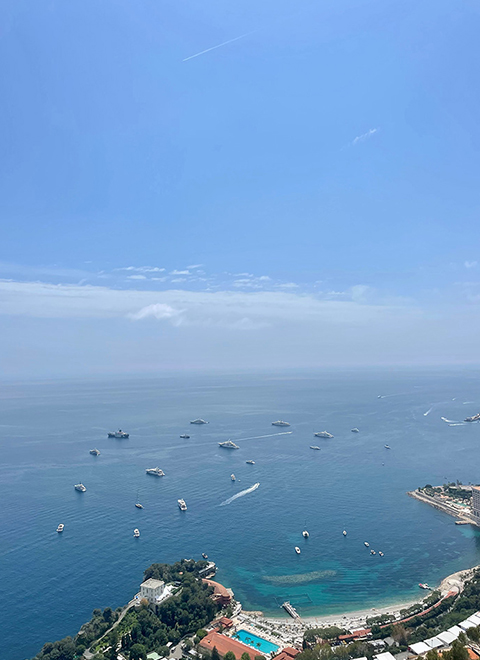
[{"x": 262, "y": 645}]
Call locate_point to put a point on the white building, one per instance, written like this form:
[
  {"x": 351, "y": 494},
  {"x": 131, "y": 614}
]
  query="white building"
[
  {"x": 152, "y": 590},
  {"x": 476, "y": 501}
]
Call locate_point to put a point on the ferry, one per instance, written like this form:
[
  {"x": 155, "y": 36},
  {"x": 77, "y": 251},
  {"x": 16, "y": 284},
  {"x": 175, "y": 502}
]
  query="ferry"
[
  {"x": 94, "y": 452},
  {"x": 60, "y": 528},
  {"x": 118, "y": 434},
  {"x": 355, "y": 430},
  {"x": 80, "y": 487},
  {"x": 228, "y": 444},
  {"x": 297, "y": 550},
  {"x": 136, "y": 533},
  {"x": 305, "y": 534},
  {"x": 232, "y": 477},
  {"x": 185, "y": 436},
  {"x": 290, "y": 610},
  {"x": 315, "y": 447},
  {"x": 182, "y": 505},
  {"x": 367, "y": 545},
  {"x": 323, "y": 434},
  {"x": 344, "y": 532},
  {"x": 280, "y": 422},
  {"x": 250, "y": 462},
  {"x": 198, "y": 421},
  {"x": 156, "y": 471}
]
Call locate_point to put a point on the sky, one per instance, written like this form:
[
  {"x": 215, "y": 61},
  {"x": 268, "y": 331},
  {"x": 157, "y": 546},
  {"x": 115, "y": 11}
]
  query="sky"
[{"x": 243, "y": 185}]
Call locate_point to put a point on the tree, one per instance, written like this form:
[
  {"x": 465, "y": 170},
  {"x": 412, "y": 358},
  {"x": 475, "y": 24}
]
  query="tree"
[
  {"x": 230, "y": 655},
  {"x": 399, "y": 634},
  {"x": 138, "y": 652},
  {"x": 457, "y": 652},
  {"x": 216, "y": 654},
  {"x": 108, "y": 614},
  {"x": 245, "y": 656},
  {"x": 432, "y": 655},
  {"x": 201, "y": 633}
]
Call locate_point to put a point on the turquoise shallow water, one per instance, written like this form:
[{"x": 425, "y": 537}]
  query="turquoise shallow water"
[
  {"x": 51, "y": 582},
  {"x": 256, "y": 642}
]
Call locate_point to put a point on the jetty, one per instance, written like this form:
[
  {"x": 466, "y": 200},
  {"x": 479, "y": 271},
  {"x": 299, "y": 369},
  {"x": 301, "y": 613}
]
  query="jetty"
[
  {"x": 442, "y": 502},
  {"x": 288, "y": 607}
]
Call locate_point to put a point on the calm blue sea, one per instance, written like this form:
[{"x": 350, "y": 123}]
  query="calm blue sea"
[{"x": 50, "y": 583}]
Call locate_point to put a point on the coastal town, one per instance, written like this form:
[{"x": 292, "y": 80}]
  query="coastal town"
[
  {"x": 161, "y": 623},
  {"x": 458, "y": 500}
]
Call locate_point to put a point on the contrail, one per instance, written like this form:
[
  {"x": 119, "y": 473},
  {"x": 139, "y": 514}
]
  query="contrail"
[
  {"x": 241, "y": 494},
  {"x": 230, "y": 41}
]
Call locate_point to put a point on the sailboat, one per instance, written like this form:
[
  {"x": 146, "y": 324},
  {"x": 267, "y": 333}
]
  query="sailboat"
[{"x": 138, "y": 505}]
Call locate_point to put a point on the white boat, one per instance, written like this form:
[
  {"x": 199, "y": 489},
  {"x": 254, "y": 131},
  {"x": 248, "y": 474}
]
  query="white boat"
[
  {"x": 60, "y": 528},
  {"x": 232, "y": 477},
  {"x": 136, "y": 533},
  {"x": 80, "y": 487},
  {"x": 182, "y": 505},
  {"x": 118, "y": 434},
  {"x": 198, "y": 421},
  {"x": 380, "y": 553},
  {"x": 305, "y": 534},
  {"x": 344, "y": 533},
  {"x": 250, "y": 462},
  {"x": 280, "y": 422},
  {"x": 367, "y": 545},
  {"x": 315, "y": 447},
  {"x": 424, "y": 586},
  {"x": 387, "y": 446},
  {"x": 204, "y": 555},
  {"x": 156, "y": 471},
  {"x": 355, "y": 430},
  {"x": 185, "y": 436},
  {"x": 297, "y": 550},
  {"x": 228, "y": 444},
  {"x": 94, "y": 452},
  {"x": 323, "y": 434},
  {"x": 372, "y": 552}
]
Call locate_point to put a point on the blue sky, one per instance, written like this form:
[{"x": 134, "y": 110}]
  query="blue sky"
[{"x": 306, "y": 195}]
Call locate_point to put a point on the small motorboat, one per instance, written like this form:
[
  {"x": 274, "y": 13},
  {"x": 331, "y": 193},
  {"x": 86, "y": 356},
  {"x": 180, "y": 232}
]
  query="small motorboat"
[
  {"x": 204, "y": 555},
  {"x": 372, "y": 552},
  {"x": 250, "y": 462},
  {"x": 136, "y": 533},
  {"x": 387, "y": 446},
  {"x": 60, "y": 528},
  {"x": 424, "y": 586},
  {"x": 315, "y": 447},
  {"x": 305, "y": 534},
  {"x": 232, "y": 477},
  {"x": 380, "y": 553},
  {"x": 367, "y": 545},
  {"x": 139, "y": 506},
  {"x": 94, "y": 452},
  {"x": 344, "y": 533},
  {"x": 185, "y": 436},
  {"x": 297, "y": 550}
]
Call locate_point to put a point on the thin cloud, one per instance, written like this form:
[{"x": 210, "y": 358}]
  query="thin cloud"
[
  {"x": 470, "y": 264},
  {"x": 364, "y": 136},
  {"x": 224, "y": 43},
  {"x": 179, "y": 272},
  {"x": 141, "y": 269}
]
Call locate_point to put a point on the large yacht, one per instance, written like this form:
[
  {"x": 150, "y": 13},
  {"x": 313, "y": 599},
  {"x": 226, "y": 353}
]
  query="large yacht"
[
  {"x": 94, "y": 452},
  {"x": 136, "y": 533},
  {"x": 80, "y": 487},
  {"x": 323, "y": 434},
  {"x": 228, "y": 444},
  {"x": 182, "y": 505},
  {"x": 185, "y": 436},
  {"x": 60, "y": 528},
  {"x": 474, "y": 418},
  {"x": 198, "y": 421},
  {"x": 156, "y": 471},
  {"x": 280, "y": 422},
  {"x": 250, "y": 462},
  {"x": 118, "y": 434},
  {"x": 355, "y": 430},
  {"x": 315, "y": 447}
]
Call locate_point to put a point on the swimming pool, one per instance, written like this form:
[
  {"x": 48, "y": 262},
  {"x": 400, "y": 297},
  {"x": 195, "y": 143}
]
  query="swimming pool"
[{"x": 262, "y": 645}]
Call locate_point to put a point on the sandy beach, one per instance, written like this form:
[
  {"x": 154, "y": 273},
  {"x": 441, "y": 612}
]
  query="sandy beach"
[{"x": 357, "y": 619}]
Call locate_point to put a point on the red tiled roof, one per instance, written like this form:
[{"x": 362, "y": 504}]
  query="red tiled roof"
[
  {"x": 225, "y": 644},
  {"x": 219, "y": 591},
  {"x": 226, "y": 622},
  {"x": 287, "y": 654},
  {"x": 472, "y": 655}
]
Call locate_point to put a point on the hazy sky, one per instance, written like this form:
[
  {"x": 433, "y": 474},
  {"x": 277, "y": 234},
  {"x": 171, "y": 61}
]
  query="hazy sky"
[{"x": 304, "y": 195}]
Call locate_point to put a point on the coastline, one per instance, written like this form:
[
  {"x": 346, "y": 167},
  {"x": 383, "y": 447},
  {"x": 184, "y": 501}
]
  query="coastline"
[{"x": 354, "y": 620}]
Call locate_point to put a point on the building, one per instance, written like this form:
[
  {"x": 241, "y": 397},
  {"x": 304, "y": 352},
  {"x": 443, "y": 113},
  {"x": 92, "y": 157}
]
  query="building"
[
  {"x": 476, "y": 501},
  {"x": 152, "y": 590},
  {"x": 220, "y": 594},
  {"x": 288, "y": 653},
  {"x": 224, "y": 644}
]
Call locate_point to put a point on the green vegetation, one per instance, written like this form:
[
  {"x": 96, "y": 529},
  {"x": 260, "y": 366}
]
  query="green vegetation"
[
  {"x": 326, "y": 652},
  {"x": 332, "y": 632},
  {"x": 142, "y": 629}
]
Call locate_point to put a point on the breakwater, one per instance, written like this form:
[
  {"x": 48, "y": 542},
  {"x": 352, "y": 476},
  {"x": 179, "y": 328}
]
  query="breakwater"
[{"x": 462, "y": 517}]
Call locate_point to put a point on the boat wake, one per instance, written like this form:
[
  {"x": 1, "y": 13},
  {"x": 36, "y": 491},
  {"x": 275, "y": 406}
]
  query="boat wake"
[
  {"x": 450, "y": 421},
  {"x": 270, "y": 435},
  {"x": 428, "y": 412},
  {"x": 241, "y": 494},
  {"x": 457, "y": 424}
]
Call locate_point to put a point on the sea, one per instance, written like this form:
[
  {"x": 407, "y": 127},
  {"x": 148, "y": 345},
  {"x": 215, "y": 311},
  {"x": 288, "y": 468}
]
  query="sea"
[{"x": 50, "y": 582}]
